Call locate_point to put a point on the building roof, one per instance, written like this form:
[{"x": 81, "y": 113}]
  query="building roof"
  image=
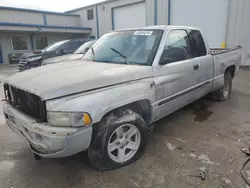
[
  {"x": 7, "y": 26},
  {"x": 37, "y": 11},
  {"x": 90, "y": 6},
  {"x": 43, "y": 26}
]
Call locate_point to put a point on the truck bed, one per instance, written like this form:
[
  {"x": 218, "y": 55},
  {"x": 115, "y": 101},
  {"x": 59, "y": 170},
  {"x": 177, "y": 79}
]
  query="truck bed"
[
  {"x": 224, "y": 58},
  {"x": 215, "y": 51}
]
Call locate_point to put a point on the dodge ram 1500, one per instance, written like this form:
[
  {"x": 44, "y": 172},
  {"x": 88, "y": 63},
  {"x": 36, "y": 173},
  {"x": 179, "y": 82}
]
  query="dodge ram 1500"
[{"x": 106, "y": 102}]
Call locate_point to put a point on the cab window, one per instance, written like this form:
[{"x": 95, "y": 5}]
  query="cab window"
[
  {"x": 198, "y": 44},
  {"x": 71, "y": 46},
  {"x": 177, "y": 47}
]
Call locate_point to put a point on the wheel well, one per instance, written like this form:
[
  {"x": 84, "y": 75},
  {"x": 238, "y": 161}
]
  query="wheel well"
[
  {"x": 142, "y": 107},
  {"x": 231, "y": 70}
]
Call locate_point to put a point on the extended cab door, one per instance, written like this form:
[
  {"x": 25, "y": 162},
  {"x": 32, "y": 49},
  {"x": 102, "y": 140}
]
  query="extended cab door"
[
  {"x": 179, "y": 74},
  {"x": 204, "y": 64}
]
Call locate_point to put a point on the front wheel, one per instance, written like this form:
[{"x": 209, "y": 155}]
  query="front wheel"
[
  {"x": 118, "y": 140},
  {"x": 225, "y": 92}
]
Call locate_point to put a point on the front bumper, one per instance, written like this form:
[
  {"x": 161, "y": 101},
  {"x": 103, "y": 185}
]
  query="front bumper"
[
  {"x": 22, "y": 67},
  {"x": 28, "y": 65},
  {"x": 45, "y": 140}
]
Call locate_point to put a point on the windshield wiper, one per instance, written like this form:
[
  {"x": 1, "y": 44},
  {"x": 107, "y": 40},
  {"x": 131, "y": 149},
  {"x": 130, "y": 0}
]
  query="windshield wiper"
[
  {"x": 93, "y": 53},
  {"x": 119, "y": 53}
]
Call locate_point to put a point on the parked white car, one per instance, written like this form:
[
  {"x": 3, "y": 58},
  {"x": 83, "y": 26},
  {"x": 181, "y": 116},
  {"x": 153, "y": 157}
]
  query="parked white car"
[{"x": 106, "y": 103}]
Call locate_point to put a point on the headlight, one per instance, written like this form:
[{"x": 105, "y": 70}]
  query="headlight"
[
  {"x": 34, "y": 58},
  {"x": 65, "y": 119}
]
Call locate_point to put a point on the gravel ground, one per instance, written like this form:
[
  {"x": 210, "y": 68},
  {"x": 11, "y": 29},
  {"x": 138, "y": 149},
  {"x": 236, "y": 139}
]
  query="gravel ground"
[{"x": 205, "y": 135}]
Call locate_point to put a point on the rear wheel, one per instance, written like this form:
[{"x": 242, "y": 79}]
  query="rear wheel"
[
  {"x": 118, "y": 140},
  {"x": 225, "y": 92}
]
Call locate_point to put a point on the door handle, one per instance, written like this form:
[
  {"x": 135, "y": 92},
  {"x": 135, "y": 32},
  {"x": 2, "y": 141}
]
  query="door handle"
[{"x": 196, "y": 67}]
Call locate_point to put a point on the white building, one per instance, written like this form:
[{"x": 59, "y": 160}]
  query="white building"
[
  {"x": 225, "y": 23},
  {"x": 24, "y": 30}
]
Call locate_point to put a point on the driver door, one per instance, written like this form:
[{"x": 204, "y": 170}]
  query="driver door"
[{"x": 174, "y": 76}]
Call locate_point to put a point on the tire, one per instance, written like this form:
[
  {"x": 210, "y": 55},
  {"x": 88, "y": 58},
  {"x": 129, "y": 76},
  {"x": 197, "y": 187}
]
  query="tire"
[
  {"x": 225, "y": 92},
  {"x": 37, "y": 157},
  {"x": 105, "y": 138}
]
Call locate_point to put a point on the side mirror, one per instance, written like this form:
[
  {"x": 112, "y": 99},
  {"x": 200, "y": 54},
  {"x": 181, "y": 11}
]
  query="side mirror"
[
  {"x": 172, "y": 55},
  {"x": 87, "y": 49}
]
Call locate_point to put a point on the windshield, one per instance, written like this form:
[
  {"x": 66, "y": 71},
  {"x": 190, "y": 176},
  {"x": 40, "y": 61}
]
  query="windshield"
[
  {"x": 126, "y": 47},
  {"x": 54, "y": 46},
  {"x": 82, "y": 48}
]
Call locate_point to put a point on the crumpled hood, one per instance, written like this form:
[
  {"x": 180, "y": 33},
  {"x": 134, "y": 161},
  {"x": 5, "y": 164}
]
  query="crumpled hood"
[
  {"x": 54, "y": 81},
  {"x": 63, "y": 58}
]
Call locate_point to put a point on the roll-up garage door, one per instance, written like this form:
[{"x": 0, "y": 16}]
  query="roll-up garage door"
[
  {"x": 208, "y": 15},
  {"x": 129, "y": 16}
]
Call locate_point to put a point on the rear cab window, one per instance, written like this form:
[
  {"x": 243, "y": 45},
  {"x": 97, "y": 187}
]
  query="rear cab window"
[{"x": 198, "y": 44}]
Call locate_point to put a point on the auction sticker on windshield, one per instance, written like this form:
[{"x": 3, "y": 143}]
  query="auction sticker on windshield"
[{"x": 146, "y": 33}]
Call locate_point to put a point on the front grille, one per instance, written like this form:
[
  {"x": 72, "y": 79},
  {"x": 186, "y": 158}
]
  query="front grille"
[{"x": 26, "y": 102}]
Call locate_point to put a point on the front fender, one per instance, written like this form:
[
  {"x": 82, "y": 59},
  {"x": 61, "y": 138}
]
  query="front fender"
[{"x": 100, "y": 102}]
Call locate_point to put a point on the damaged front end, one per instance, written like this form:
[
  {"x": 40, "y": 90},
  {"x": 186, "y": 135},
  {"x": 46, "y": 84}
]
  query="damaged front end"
[
  {"x": 26, "y": 102},
  {"x": 26, "y": 115}
]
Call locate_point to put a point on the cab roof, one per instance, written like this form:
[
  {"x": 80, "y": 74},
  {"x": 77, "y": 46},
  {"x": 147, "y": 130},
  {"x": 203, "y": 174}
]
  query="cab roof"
[{"x": 160, "y": 27}]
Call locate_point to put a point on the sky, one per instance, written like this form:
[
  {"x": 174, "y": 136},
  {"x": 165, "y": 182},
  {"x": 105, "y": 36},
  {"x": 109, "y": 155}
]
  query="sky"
[{"x": 50, "y": 5}]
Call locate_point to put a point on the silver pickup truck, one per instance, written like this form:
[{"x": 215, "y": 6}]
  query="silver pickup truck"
[{"x": 107, "y": 102}]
